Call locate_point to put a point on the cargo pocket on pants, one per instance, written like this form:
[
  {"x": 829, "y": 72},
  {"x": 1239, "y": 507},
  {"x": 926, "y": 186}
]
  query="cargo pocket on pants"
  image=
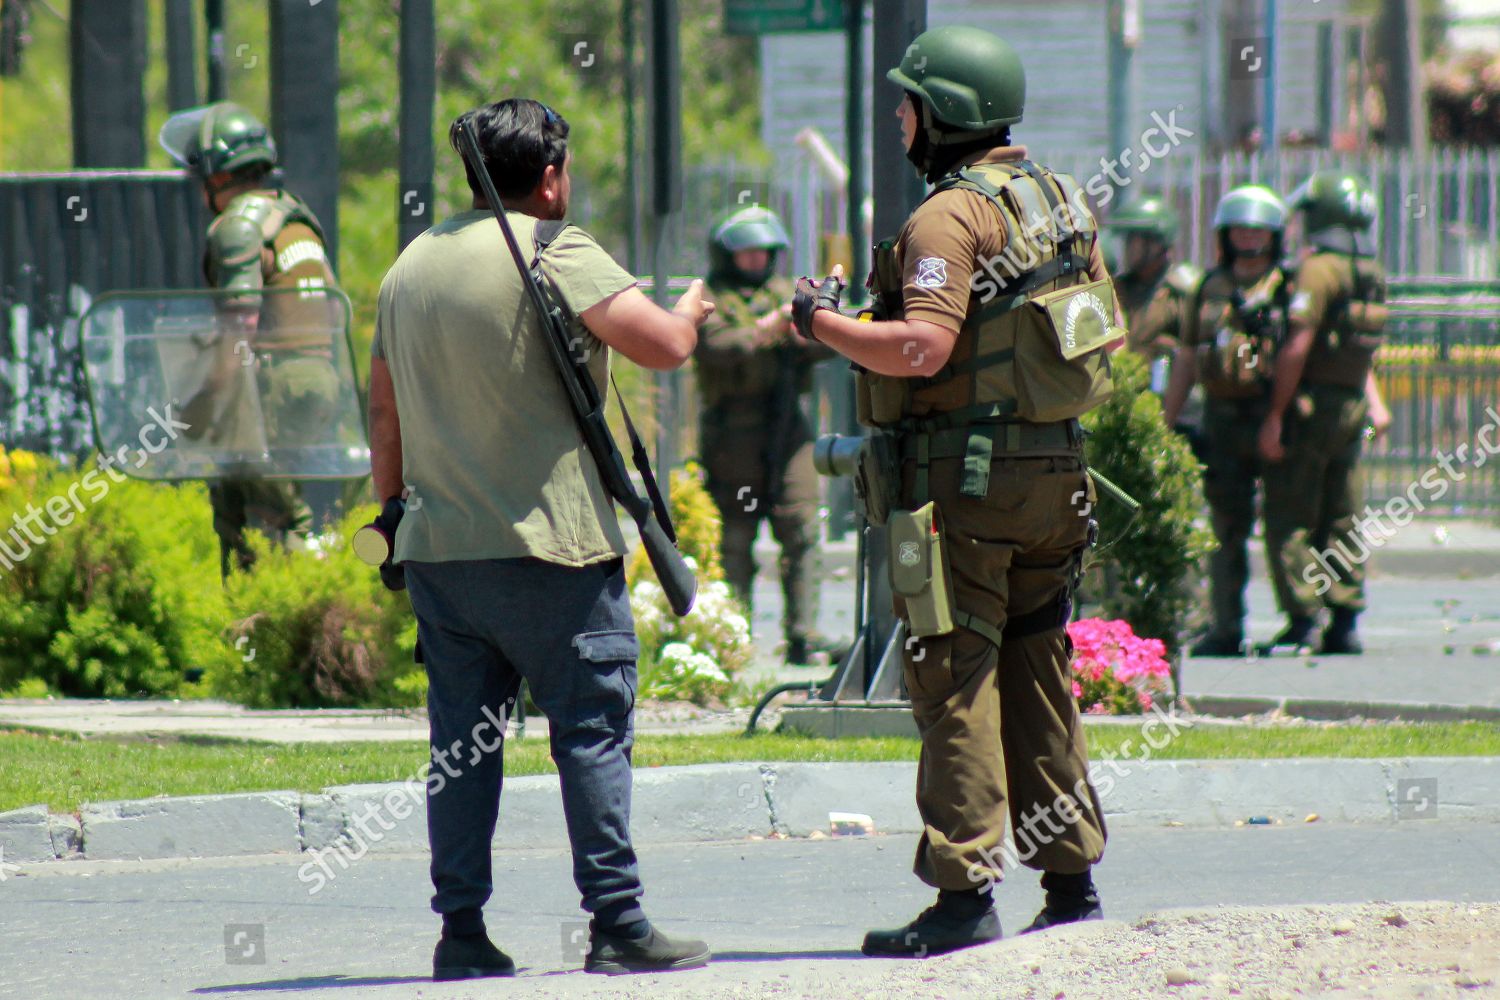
[{"x": 604, "y": 680}]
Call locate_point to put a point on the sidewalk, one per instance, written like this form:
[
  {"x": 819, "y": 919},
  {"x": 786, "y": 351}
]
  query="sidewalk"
[{"x": 1425, "y": 658}]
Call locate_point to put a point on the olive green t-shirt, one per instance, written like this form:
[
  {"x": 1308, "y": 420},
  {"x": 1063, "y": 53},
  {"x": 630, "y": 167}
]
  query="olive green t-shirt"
[{"x": 490, "y": 450}]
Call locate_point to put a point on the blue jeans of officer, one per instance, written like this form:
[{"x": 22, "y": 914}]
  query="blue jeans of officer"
[{"x": 483, "y": 626}]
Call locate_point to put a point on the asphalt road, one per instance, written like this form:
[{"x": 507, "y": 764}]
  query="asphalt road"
[{"x": 779, "y": 914}]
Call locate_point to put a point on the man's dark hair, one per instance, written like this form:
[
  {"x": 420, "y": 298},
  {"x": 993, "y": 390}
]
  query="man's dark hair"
[{"x": 520, "y": 139}]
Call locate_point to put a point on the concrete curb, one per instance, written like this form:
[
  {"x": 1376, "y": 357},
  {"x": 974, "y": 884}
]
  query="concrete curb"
[
  {"x": 729, "y": 802},
  {"x": 1232, "y": 705}
]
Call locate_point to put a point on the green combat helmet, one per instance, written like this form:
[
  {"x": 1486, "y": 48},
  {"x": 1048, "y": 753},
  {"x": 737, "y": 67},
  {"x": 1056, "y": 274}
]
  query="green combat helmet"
[
  {"x": 1329, "y": 199},
  {"x": 217, "y": 138},
  {"x": 753, "y": 228},
  {"x": 1251, "y": 206},
  {"x": 1151, "y": 216},
  {"x": 968, "y": 82}
]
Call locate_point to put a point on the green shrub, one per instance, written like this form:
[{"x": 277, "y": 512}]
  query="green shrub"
[
  {"x": 1145, "y": 573},
  {"x": 122, "y": 600},
  {"x": 315, "y": 629}
]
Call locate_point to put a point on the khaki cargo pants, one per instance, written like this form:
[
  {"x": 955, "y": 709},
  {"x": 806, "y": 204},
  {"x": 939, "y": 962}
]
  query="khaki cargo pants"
[
  {"x": 1316, "y": 553},
  {"x": 1000, "y": 728},
  {"x": 739, "y": 483}
]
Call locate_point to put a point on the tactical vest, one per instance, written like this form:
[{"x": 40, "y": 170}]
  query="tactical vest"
[
  {"x": 286, "y": 320},
  {"x": 1240, "y": 331},
  {"x": 1343, "y": 351},
  {"x": 1031, "y": 348},
  {"x": 757, "y": 374}
]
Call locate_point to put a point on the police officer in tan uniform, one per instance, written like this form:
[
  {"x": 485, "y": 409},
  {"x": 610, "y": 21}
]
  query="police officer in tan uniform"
[
  {"x": 1324, "y": 396},
  {"x": 1153, "y": 291},
  {"x": 1235, "y": 322},
  {"x": 262, "y": 238},
  {"x": 995, "y": 314},
  {"x": 756, "y": 445}
]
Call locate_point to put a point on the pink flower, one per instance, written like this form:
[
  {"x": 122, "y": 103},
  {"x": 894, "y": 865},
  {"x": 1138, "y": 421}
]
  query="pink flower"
[{"x": 1077, "y": 690}]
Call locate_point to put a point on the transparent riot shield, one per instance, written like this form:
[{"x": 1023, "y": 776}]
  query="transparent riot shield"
[{"x": 191, "y": 384}]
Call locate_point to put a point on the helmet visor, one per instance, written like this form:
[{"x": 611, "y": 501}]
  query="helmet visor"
[{"x": 181, "y": 135}]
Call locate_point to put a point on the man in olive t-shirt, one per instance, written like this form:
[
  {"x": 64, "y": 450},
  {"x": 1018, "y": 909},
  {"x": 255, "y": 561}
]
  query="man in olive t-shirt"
[{"x": 510, "y": 543}]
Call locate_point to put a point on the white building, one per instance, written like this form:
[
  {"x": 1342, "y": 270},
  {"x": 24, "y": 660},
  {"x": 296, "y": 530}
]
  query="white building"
[{"x": 1186, "y": 57}]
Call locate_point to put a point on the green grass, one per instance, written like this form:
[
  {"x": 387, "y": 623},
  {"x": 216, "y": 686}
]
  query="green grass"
[{"x": 63, "y": 771}]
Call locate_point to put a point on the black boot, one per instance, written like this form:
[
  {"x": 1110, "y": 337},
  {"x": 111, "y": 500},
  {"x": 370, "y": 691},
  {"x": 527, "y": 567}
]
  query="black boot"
[
  {"x": 1296, "y": 635},
  {"x": 958, "y": 920},
  {"x": 1070, "y": 898},
  {"x": 1340, "y": 638},
  {"x": 469, "y": 956},
  {"x": 615, "y": 954},
  {"x": 1218, "y": 643},
  {"x": 801, "y": 649}
]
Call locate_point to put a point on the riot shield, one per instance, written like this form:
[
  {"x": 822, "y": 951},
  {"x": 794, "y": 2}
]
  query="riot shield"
[{"x": 194, "y": 384}]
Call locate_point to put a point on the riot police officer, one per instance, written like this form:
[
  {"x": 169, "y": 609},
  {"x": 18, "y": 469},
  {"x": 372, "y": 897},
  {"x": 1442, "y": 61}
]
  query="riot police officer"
[
  {"x": 1234, "y": 324},
  {"x": 1323, "y": 396},
  {"x": 262, "y": 238},
  {"x": 756, "y": 444},
  {"x": 1153, "y": 291},
  {"x": 991, "y": 284}
]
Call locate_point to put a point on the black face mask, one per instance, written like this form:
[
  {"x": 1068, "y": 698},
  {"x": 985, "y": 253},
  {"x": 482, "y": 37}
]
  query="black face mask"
[{"x": 932, "y": 160}]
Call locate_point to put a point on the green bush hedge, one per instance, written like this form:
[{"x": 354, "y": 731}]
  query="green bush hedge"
[
  {"x": 1146, "y": 571},
  {"x": 124, "y": 600},
  {"x": 120, "y": 599},
  {"x": 317, "y": 629}
]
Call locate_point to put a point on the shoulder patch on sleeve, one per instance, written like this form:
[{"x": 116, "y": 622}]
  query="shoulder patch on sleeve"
[{"x": 932, "y": 272}]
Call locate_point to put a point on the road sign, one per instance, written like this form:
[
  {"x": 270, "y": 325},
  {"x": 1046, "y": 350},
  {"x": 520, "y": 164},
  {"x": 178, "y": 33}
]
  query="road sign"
[{"x": 759, "y": 17}]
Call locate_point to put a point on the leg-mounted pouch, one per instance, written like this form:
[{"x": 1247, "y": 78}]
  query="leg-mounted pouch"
[{"x": 919, "y": 571}]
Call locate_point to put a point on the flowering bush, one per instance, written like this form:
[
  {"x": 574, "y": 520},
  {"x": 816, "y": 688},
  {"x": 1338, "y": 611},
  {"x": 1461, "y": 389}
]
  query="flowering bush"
[
  {"x": 693, "y": 658},
  {"x": 1115, "y": 671},
  {"x": 696, "y": 657}
]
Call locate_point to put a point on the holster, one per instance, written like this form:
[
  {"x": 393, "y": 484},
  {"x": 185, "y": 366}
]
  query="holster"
[
  {"x": 919, "y": 571},
  {"x": 877, "y": 478}
]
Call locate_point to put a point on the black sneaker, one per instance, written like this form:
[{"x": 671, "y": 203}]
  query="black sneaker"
[
  {"x": 1220, "y": 644},
  {"x": 938, "y": 930},
  {"x": 616, "y": 955},
  {"x": 469, "y": 957}
]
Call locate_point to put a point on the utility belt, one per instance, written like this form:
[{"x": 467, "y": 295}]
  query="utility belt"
[
  {"x": 877, "y": 474},
  {"x": 917, "y": 564}
]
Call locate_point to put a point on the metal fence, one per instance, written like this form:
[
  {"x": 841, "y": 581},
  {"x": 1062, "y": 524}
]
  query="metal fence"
[{"x": 1439, "y": 373}]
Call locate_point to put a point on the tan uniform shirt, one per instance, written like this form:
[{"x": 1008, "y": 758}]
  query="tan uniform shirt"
[
  {"x": 942, "y": 244},
  {"x": 490, "y": 450}
]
